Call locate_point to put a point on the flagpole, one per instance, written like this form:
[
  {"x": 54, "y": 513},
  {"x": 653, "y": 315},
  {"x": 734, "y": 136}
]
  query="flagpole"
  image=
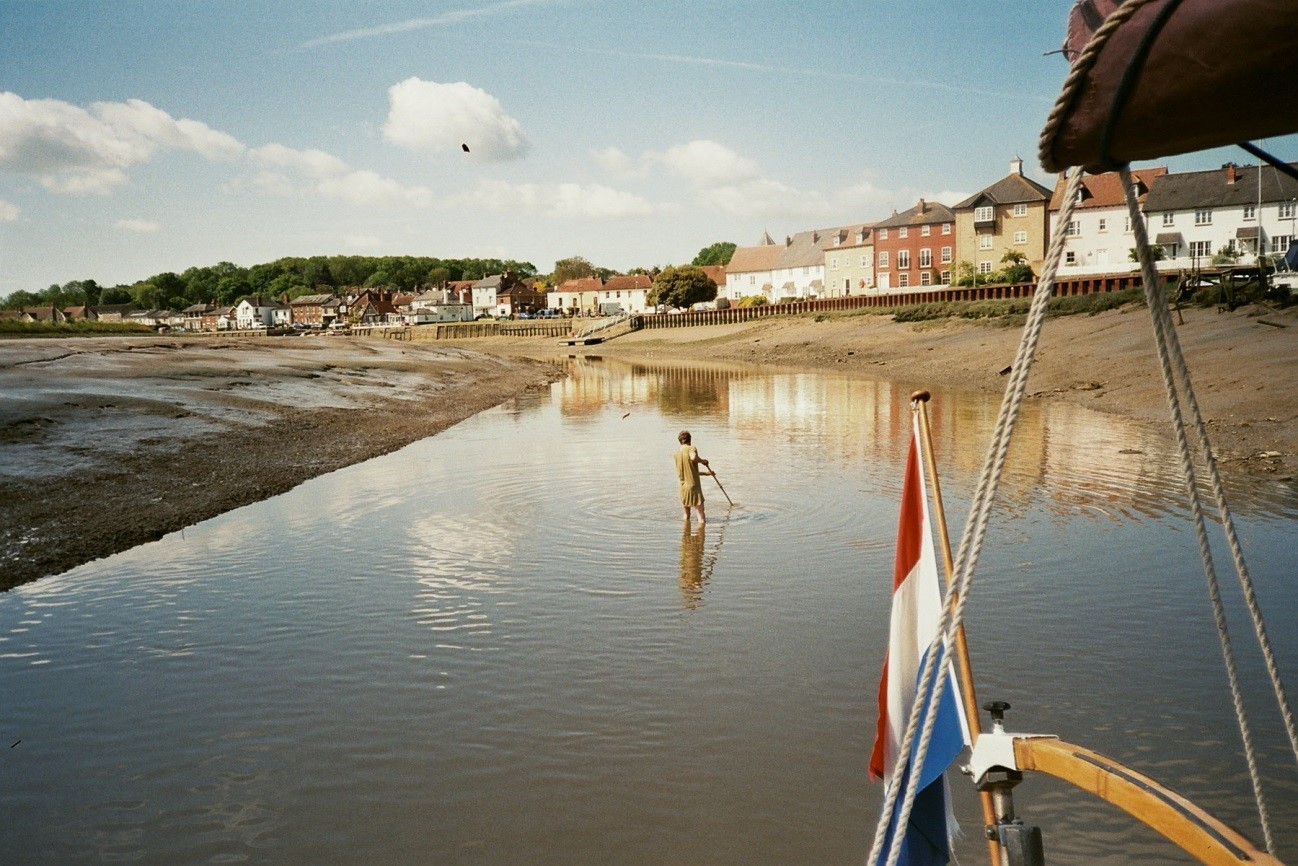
[{"x": 970, "y": 699}]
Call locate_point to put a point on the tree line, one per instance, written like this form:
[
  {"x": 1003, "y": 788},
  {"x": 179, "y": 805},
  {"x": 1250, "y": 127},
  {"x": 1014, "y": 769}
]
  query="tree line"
[
  {"x": 293, "y": 276},
  {"x": 227, "y": 283}
]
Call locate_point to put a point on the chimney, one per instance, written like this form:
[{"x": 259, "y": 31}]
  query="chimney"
[
  {"x": 1016, "y": 166},
  {"x": 923, "y": 207},
  {"x": 1230, "y": 173},
  {"x": 788, "y": 241}
]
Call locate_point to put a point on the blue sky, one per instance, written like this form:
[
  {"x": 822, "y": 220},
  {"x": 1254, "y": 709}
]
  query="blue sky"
[{"x": 141, "y": 137}]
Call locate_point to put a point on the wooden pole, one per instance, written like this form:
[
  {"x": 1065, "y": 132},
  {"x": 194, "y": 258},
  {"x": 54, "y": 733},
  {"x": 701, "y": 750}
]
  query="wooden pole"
[{"x": 963, "y": 666}]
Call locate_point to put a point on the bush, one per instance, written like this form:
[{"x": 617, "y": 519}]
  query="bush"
[{"x": 752, "y": 301}]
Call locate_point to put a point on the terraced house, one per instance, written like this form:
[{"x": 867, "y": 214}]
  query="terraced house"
[
  {"x": 908, "y": 248},
  {"x": 849, "y": 261},
  {"x": 1011, "y": 215}
]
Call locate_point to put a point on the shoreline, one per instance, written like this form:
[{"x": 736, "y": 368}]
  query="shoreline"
[
  {"x": 1245, "y": 372},
  {"x": 111, "y": 442}
]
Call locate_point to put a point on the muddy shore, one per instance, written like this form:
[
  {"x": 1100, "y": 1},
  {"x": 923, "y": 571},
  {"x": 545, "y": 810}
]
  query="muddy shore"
[{"x": 106, "y": 443}]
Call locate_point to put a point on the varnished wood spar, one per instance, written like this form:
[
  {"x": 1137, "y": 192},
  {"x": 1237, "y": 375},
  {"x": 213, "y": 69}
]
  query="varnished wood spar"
[
  {"x": 965, "y": 668},
  {"x": 1188, "y": 826}
]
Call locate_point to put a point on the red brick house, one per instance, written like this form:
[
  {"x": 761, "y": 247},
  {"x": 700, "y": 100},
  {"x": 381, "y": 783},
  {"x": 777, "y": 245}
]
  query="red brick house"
[{"x": 908, "y": 248}]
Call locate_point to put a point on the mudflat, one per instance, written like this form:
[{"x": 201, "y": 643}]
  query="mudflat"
[{"x": 106, "y": 443}]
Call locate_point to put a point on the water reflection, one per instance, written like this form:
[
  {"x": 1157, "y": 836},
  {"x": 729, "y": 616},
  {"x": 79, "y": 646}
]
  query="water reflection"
[
  {"x": 430, "y": 656},
  {"x": 1067, "y": 456},
  {"x": 691, "y": 572}
]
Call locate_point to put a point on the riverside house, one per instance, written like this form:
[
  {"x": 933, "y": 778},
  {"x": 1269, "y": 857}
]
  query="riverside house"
[
  {"x": 849, "y": 261},
  {"x": 750, "y": 272},
  {"x": 1010, "y": 216},
  {"x": 908, "y": 248},
  {"x": 1099, "y": 234}
]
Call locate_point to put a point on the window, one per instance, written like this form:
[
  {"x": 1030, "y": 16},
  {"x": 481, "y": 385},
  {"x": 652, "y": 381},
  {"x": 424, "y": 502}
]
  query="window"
[
  {"x": 925, "y": 230},
  {"x": 1170, "y": 250},
  {"x": 1203, "y": 217},
  {"x": 865, "y": 261},
  {"x": 1280, "y": 243},
  {"x": 1126, "y": 225},
  {"x": 946, "y": 255},
  {"x": 903, "y": 258},
  {"x": 984, "y": 214},
  {"x": 926, "y": 278},
  {"x": 833, "y": 264},
  {"x": 1070, "y": 258},
  {"x": 1104, "y": 224},
  {"x": 883, "y": 234},
  {"x": 902, "y": 232},
  {"x": 945, "y": 278},
  {"x": 1020, "y": 238},
  {"x": 1074, "y": 229},
  {"x": 883, "y": 258},
  {"x": 1286, "y": 210},
  {"x": 946, "y": 227},
  {"x": 1201, "y": 249},
  {"x": 752, "y": 279},
  {"x": 984, "y": 267},
  {"x": 1250, "y": 212},
  {"x": 1020, "y": 210},
  {"x": 984, "y": 242},
  {"x": 1081, "y": 195},
  {"x": 1169, "y": 219},
  {"x": 903, "y": 281},
  {"x": 926, "y": 258}
]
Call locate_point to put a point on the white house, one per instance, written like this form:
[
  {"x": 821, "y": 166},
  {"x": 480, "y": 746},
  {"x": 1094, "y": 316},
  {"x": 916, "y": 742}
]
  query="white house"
[
  {"x": 574, "y": 296},
  {"x": 628, "y": 294},
  {"x": 1244, "y": 209},
  {"x": 799, "y": 272},
  {"x": 1099, "y": 236},
  {"x": 427, "y": 313},
  {"x": 255, "y": 312},
  {"x": 750, "y": 271}
]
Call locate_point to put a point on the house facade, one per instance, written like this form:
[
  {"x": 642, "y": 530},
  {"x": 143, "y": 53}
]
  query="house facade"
[
  {"x": 1010, "y": 216},
  {"x": 255, "y": 312},
  {"x": 1240, "y": 211},
  {"x": 625, "y": 294},
  {"x": 751, "y": 271},
  {"x": 576, "y": 296},
  {"x": 909, "y": 248},
  {"x": 849, "y": 261},
  {"x": 309, "y": 310},
  {"x": 1099, "y": 236},
  {"x": 799, "y": 272}
]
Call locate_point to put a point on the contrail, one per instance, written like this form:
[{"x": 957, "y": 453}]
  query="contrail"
[{"x": 420, "y": 23}]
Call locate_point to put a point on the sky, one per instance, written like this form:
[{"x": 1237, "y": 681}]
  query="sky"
[{"x": 154, "y": 135}]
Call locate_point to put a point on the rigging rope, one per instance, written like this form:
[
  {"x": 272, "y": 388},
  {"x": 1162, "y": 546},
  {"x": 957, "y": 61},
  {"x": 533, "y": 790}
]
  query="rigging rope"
[
  {"x": 1176, "y": 380},
  {"x": 971, "y": 544}
]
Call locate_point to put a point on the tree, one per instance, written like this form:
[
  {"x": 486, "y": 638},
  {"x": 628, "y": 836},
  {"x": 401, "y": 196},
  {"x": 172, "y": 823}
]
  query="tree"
[
  {"x": 115, "y": 295},
  {"x": 715, "y": 254},
  {"x": 682, "y": 286},
  {"x": 572, "y": 268},
  {"x": 1156, "y": 253},
  {"x": 1017, "y": 269}
]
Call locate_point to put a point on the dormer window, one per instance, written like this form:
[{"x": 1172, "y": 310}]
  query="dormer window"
[
  {"x": 984, "y": 214},
  {"x": 1081, "y": 195}
]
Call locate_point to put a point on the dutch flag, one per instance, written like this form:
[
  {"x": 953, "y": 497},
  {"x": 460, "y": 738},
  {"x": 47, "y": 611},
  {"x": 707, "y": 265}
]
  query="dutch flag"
[{"x": 916, "y": 609}]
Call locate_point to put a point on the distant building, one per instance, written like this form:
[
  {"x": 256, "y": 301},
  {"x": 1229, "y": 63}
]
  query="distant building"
[
  {"x": 751, "y": 270},
  {"x": 909, "y": 248},
  {"x": 849, "y": 261},
  {"x": 1099, "y": 236},
  {"x": 1011, "y": 215}
]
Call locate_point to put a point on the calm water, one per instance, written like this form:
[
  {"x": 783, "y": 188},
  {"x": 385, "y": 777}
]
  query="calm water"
[{"x": 498, "y": 645}]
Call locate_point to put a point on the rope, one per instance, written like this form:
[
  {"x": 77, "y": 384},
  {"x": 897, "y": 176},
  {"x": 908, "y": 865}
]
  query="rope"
[
  {"x": 1176, "y": 375},
  {"x": 971, "y": 543}
]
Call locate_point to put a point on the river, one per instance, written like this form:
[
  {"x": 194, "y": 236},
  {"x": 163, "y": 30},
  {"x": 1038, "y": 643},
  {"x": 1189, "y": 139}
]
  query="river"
[{"x": 500, "y": 645}]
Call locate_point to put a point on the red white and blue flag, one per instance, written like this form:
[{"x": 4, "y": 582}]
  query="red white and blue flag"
[{"x": 916, "y": 611}]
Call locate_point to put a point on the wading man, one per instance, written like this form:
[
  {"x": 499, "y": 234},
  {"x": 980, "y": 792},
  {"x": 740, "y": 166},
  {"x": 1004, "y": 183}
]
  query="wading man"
[{"x": 687, "y": 471}]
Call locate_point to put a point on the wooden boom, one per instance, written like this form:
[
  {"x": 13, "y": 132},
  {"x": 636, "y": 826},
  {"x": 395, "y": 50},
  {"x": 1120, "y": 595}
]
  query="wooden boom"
[{"x": 1185, "y": 824}]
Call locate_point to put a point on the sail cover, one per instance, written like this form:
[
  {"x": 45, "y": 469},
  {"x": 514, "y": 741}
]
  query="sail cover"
[{"x": 1155, "y": 78}]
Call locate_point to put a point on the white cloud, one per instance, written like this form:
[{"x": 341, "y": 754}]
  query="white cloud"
[
  {"x": 8, "y": 212},
  {"x": 427, "y": 115},
  {"x": 618, "y": 163},
  {"x": 141, "y": 226},
  {"x": 321, "y": 173},
  {"x": 572, "y": 200},
  {"x": 707, "y": 164},
  {"x": 81, "y": 152}
]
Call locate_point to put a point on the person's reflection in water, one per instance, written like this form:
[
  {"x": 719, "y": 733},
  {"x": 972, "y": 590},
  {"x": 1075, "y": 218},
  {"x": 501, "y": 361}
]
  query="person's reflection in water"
[{"x": 691, "y": 576}]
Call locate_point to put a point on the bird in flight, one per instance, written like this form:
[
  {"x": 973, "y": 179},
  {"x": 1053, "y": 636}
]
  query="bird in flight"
[{"x": 465, "y": 147}]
